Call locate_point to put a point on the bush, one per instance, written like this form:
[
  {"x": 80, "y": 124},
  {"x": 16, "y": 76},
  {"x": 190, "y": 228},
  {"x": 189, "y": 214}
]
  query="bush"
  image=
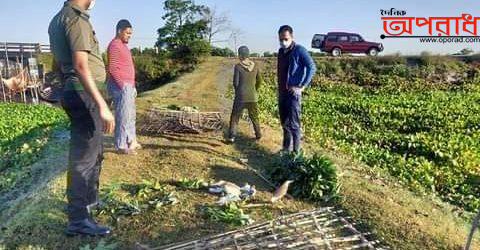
[
  {"x": 223, "y": 52},
  {"x": 315, "y": 177},
  {"x": 153, "y": 70}
]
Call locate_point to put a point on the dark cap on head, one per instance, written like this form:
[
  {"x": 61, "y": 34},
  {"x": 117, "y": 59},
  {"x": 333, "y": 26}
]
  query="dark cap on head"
[
  {"x": 285, "y": 28},
  {"x": 243, "y": 51},
  {"x": 123, "y": 24}
]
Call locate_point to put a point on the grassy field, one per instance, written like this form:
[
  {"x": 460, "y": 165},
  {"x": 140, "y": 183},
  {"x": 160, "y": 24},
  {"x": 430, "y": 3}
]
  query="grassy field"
[{"x": 35, "y": 219}]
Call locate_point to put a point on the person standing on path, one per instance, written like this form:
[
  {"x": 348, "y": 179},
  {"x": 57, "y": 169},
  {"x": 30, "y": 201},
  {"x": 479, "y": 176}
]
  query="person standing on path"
[
  {"x": 246, "y": 81},
  {"x": 121, "y": 87},
  {"x": 76, "y": 51},
  {"x": 295, "y": 70}
]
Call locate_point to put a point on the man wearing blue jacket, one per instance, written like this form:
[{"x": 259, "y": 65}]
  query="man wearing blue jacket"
[{"x": 295, "y": 71}]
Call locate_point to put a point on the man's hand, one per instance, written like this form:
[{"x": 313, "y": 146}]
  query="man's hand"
[
  {"x": 80, "y": 62},
  {"x": 108, "y": 120},
  {"x": 296, "y": 90}
]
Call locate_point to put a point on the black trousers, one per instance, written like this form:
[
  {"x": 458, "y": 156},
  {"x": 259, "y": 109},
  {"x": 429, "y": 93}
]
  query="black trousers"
[
  {"x": 290, "y": 109},
  {"x": 86, "y": 153},
  {"x": 237, "y": 111}
]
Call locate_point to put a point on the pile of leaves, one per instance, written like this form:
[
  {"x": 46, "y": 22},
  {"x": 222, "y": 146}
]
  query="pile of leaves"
[
  {"x": 24, "y": 131},
  {"x": 128, "y": 200},
  {"x": 314, "y": 178}
]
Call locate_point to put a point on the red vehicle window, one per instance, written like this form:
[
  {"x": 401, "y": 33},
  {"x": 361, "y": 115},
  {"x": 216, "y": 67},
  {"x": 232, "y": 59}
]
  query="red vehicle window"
[
  {"x": 354, "y": 39},
  {"x": 343, "y": 39},
  {"x": 332, "y": 38}
]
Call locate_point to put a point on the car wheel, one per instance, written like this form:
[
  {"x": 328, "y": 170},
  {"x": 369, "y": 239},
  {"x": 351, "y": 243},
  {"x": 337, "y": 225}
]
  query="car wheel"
[
  {"x": 373, "y": 52},
  {"x": 336, "y": 52}
]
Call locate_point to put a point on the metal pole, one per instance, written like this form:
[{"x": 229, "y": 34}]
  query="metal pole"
[
  {"x": 3, "y": 88},
  {"x": 7, "y": 61}
]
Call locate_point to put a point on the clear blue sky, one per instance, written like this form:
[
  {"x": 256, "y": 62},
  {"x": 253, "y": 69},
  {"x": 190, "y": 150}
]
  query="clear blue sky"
[{"x": 27, "y": 20}]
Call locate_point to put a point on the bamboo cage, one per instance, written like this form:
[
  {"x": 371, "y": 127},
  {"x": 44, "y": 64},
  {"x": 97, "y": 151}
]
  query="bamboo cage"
[
  {"x": 324, "y": 228},
  {"x": 159, "y": 121}
]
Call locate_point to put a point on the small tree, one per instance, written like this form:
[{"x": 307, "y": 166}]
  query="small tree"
[
  {"x": 267, "y": 54},
  {"x": 184, "y": 31},
  {"x": 217, "y": 23}
]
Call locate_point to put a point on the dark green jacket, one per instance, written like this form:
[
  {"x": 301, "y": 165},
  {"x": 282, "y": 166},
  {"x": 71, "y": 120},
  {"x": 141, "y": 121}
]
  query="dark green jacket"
[
  {"x": 246, "y": 83},
  {"x": 70, "y": 31}
]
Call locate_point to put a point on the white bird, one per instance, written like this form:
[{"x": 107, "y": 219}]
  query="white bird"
[
  {"x": 281, "y": 191},
  {"x": 225, "y": 187}
]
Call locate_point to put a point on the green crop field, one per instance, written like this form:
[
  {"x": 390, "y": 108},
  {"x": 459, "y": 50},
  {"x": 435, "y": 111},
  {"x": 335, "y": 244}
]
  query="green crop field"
[
  {"x": 24, "y": 131},
  {"x": 416, "y": 121}
]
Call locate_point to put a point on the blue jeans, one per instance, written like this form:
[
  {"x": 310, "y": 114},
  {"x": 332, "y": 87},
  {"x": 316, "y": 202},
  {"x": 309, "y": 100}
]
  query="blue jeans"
[
  {"x": 290, "y": 108},
  {"x": 125, "y": 114}
]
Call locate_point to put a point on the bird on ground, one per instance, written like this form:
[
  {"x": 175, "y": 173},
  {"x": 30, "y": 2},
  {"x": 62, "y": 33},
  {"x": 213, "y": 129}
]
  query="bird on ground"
[
  {"x": 16, "y": 83},
  {"x": 281, "y": 191},
  {"x": 225, "y": 187}
]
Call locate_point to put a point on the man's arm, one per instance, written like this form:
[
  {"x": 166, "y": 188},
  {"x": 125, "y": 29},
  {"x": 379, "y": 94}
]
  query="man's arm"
[
  {"x": 310, "y": 67},
  {"x": 80, "y": 63},
  {"x": 113, "y": 53},
  {"x": 259, "y": 81},
  {"x": 236, "y": 77}
]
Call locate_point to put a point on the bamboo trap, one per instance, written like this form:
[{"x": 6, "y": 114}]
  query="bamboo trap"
[
  {"x": 324, "y": 228},
  {"x": 159, "y": 121}
]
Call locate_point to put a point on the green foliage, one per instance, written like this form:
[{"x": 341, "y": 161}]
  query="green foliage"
[
  {"x": 137, "y": 199},
  {"x": 224, "y": 52},
  {"x": 192, "y": 183},
  {"x": 230, "y": 214},
  {"x": 314, "y": 177},
  {"x": 398, "y": 73},
  {"x": 267, "y": 54},
  {"x": 46, "y": 59},
  {"x": 184, "y": 31},
  {"x": 102, "y": 245},
  {"x": 153, "y": 70},
  {"x": 423, "y": 131},
  {"x": 24, "y": 131}
]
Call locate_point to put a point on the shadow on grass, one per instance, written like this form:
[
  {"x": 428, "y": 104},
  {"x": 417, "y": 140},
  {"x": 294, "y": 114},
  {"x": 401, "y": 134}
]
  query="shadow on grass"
[{"x": 42, "y": 227}]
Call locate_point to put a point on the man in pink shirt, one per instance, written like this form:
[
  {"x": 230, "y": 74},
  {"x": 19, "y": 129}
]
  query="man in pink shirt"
[{"x": 121, "y": 87}]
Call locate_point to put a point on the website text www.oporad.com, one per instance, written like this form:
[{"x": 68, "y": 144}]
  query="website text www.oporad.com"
[{"x": 452, "y": 39}]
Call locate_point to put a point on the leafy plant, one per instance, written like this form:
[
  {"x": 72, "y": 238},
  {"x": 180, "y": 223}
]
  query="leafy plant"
[
  {"x": 102, "y": 245},
  {"x": 191, "y": 183},
  {"x": 24, "y": 131},
  {"x": 230, "y": 214},
  {"x": 141, "y": 197},
  {"x": 314, "y": 177}
]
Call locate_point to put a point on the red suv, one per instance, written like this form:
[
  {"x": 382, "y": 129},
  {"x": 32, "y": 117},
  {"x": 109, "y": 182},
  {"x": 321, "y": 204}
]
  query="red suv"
[{"x": 337, "y": 43}]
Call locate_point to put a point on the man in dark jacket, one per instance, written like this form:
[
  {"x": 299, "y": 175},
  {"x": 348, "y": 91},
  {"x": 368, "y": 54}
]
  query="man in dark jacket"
[
  {"x": 246, "y": 81},
  {"x": 295, "y": 71}
]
